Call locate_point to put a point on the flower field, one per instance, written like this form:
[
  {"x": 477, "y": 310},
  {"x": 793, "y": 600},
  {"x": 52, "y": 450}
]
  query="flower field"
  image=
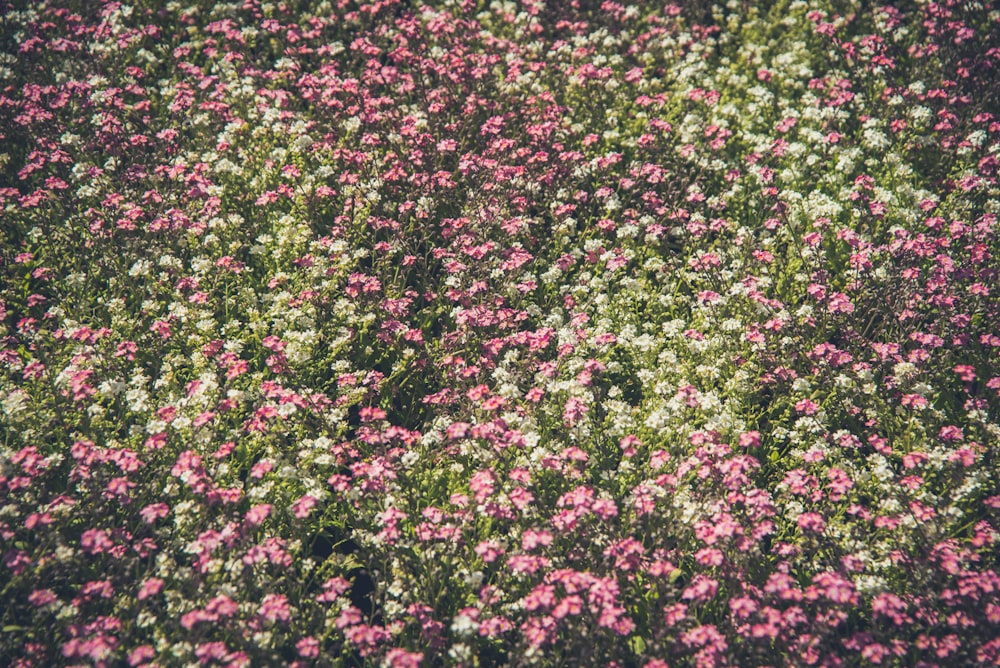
[{"x": 470, "y": 333}]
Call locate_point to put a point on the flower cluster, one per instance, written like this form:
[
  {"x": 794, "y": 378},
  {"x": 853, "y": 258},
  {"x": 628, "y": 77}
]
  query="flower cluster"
[{"x": 389, "y": 333}]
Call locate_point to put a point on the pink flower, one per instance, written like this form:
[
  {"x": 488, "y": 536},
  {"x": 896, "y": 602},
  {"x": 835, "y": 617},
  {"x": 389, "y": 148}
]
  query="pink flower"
[
  {"x": 526, "y": 564},
  {"x": 482, "y": 484},
  {"x": 332, "y": 589},
  {"x": 211, "y": 651},
  {"x": 365, "y": 637},
  {"x": 191, "y": 619},
  {"x": 701, "y": 589},
  {"x": 743, "y": 606},
  {"x": 258, "y": 514},
  {"x": 840, "y": 303},
  {"x": 161, "y": 327},
  {"x": 627, "y": 553},
  {"x": 541, "y": 597},
  {"x": 812, "y": 522},
  {"x": 574, "y": 410},
  {"x": 532, "y": 539},
  {"x": 674, "y": 614},
  {"x": 304, "y": 506},
  {"x": 494, "y": 627},
  {"x": 709, "y": 556},
  {"x": 141, "y": 654},
  {"x": 223, "y": 606},
  {"x": 538, "y": 631},
  {"x": 96, "y": 541},
  {"x": 42, "y": 597},
  {"x": 275, "y": 608},
  {"x": 806, "y": 407},
  {"x": 836, "y": 588},
  {"x": 308, "y": 647},
  {"x": 150, "y": 587},
  {"x": 966, "y": 372},
  {"x": 568, "y": 607},
  {"x": 100, "y": 588},
  {"x": 261, "y": 468},
  {"x": 706, "y": 636},
  {"x": 521, "y": 498},
  {"x": 489, "y": 550},
  {"x": 153, "y": 512},
  {"x": 951, "y": 433},
  {"x": 709, "y": 297},
  {"x": 400, "y": 658}
]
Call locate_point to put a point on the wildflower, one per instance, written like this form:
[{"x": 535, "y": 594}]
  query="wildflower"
[{"x": 275, "y": 608}]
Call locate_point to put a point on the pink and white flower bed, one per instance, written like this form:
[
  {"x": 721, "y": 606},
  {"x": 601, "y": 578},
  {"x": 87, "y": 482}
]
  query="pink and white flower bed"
[{"x": 499, "y": 334}]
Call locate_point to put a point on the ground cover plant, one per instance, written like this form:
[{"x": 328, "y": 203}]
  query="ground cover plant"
[{"x": 489, "y": 333}]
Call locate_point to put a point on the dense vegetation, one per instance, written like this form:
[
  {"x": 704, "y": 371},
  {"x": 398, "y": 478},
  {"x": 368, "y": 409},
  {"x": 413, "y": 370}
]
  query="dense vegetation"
[{"x": 477, "y": 334}]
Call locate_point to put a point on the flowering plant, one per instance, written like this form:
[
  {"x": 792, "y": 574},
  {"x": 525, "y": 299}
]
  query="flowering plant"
[{"x": 389, "y": 333}]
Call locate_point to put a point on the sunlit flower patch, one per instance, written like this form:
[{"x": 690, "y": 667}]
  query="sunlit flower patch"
[{"x": 499, "y": 334}]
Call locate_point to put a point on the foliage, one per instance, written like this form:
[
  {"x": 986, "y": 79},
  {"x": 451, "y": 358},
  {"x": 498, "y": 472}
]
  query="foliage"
[{"x": 461, "y": 333}]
